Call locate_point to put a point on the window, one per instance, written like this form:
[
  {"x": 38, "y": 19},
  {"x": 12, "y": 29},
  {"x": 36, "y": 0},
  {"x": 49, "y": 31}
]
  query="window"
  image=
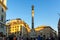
[
  {"x": 2, "y": 18},
  {"x": 2, "y": 10},
  {"x": 2, "y": 21},
  {"x": 15, "y": 32}
]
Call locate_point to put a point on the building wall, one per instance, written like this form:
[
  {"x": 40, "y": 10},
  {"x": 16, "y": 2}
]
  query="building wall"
[
  {"x": 17, "y": 27},
  {"x": 4, "y": 2},
  {"x": 47, "y": 32},
  {"x": 2, "y": 19},
  {"x": 59, "y": 29}
]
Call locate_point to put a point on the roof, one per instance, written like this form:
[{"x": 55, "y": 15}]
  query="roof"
[{"x": 42, "y": 27}]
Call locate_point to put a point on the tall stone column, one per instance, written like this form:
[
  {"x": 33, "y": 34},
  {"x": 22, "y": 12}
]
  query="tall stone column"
[
  {"x": 33, "y": 33},
  {"x": 32, "y": 16}
]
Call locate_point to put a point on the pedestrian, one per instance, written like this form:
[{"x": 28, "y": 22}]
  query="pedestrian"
[
  {"x": 47, "y": 39},
  {"x": 36, "y": 39},
  {"x": 52, "y": 38},
  {"x": 43, "y": 37},
  {"x": 14, "y": 38},
  {"x": 4, "y": 37},
  {"x": 39, "y": 37},
  {"x": 22, "y": 38},
  {"x": 1, "y": 38}
]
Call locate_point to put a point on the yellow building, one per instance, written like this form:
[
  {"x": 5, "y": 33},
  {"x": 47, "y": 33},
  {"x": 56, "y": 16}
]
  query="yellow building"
[
  {"x": 17, "y": 27},
  {"x": 3, "y": 4}
]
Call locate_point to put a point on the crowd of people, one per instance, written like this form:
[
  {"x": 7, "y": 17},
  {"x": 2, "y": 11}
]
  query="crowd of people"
[
  {"x": 37, "y": 38},
  {"x": 13, "y": 37},
  {"x": 19, "y": 38},
  {"x": 44, "y": 38}
]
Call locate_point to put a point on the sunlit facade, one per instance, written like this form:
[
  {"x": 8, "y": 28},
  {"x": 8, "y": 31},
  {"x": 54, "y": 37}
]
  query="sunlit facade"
[
  {"x": 17, "y": 27},
  {"x": 3, "y": 4}
]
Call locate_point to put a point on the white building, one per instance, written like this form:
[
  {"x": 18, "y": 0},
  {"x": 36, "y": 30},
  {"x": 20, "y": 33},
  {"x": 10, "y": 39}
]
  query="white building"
[{"x": 2, "y": 15}]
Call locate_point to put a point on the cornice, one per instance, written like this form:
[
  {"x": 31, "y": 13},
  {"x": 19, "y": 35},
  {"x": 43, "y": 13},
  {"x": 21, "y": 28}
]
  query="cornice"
[{"x": 5, "y": 8}]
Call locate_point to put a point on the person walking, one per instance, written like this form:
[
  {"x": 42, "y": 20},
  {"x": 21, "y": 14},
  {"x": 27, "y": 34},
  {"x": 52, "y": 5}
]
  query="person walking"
[
  {"x": 1, "y": 38},
  {"x": 39, "y": 37},
  {"x": 14, "y": 38},
  {"x": 4, "y": 37}
]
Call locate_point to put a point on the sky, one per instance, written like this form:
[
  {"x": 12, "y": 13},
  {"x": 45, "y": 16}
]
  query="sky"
[{"x": 45, "y": 11}]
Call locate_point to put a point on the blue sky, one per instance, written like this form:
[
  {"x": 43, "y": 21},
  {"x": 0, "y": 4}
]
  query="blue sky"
[{"x": 45, "y": 11}]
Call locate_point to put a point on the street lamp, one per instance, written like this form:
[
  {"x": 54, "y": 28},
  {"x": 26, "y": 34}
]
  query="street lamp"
[
  {"x": 7, "y": 27},
  {"x": 7, "y": 30}
]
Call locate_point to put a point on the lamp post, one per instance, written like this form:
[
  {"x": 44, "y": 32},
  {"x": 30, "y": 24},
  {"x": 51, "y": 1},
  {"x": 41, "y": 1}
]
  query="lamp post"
[
  {"x": 7, "y": 30},
  {"x": 7, "y": 27}
]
